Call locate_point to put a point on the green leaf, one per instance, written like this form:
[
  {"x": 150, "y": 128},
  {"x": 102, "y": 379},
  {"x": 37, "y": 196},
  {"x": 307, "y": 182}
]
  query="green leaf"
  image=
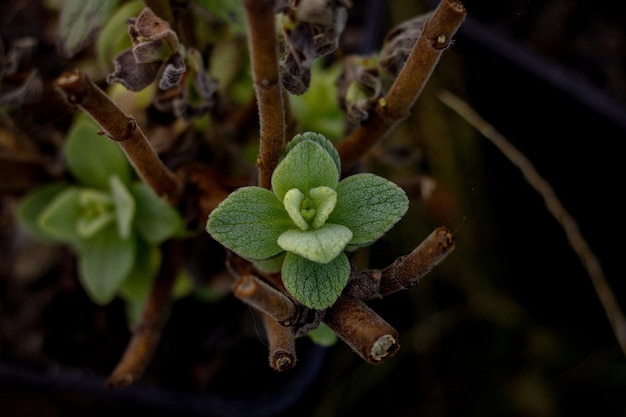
[
  {"x": 324, "y": 200},
  {"x": 113, "y": 37},
  {"x": 32, "y": 205},
  {"x": 136, "y": 288},
  {"x": 156, "y": 220},
  {"x": 96, "y": 212},
  {"x": 271, "y": 265},
  {"x": 94, "y": 158},
  {"x": 80, "y": 22},
  {"x": 323, "y": 335},
  {"x": 124, "y": 206},
  {"x": 59, "y": 219},
  {"x": 105, "y": 261},
  {"x": 369, "y": 206},
  {"x": 248, "y": 222},
  {"x": 321, "y": 245},
  {"x": 230, "y": 11},
  {"x": 318, "y": 109},
  {"x": 320, "y": 140},
  {"x": 313, "y": 284},
  {"x": 307, "y": 165}
]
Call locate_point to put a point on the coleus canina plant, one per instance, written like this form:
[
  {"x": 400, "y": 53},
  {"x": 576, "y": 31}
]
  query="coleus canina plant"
[{"x": 303, "y": 226}]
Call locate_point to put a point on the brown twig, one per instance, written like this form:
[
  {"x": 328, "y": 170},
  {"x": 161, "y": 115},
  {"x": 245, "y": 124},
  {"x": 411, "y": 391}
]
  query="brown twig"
[
  {"x": 362, "y": 329},
  {"x": 406, "y": 271},
  {"x": 395, "y": 106},
  {"x": 147, "y": 332},
  {"x": 260, "y": 295},
  {"x": 562, "y": 216},
  {"x": 260, "y": 17},
  {"x": 123, "y": 129},
  {"x": 282, "y": 344}
]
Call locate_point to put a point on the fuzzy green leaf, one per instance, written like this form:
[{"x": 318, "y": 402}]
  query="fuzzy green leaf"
[
  {"x": 313, "y": 284},
  {"x": 136, "y": 288},
  {"x": 321, "y": 245},
  {"x": 96, "y": 212},
  {"x": 124, "y": 206},
  {"x": 323, "y": 335},
  {"x": 320, "y": 140},
  {"x": 369, "y": 206},
  {"x": 248, "y": 222},
  {"x": 59, "y": 219},
  {"x": 31, "y": 207},
  {"x": 307, "y": 165},
  {"x": 80, "y": 22},
  {"x": 156, "y": 220},
  {"x": 105, "y": 262},
  {"x": 94, "y": 158}
]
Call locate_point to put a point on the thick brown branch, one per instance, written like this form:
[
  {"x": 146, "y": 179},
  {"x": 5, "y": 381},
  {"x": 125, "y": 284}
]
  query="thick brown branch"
[
  {"x": 395, "y": 106},
  {"x": 123, "y": 129},
  {"x": 260, "y": 16},
  {"x": 362, "y": 329},
  {"x": 263, "y": 297},
  {"x": 282, "y": 344},
  {"x": 406, "y": 271},
  {"x": 147, "y": 332}
]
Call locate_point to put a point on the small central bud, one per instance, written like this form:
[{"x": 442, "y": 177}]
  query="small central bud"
[
  {"x": 307, "y": 209},
  {"x": 310, "y": 210}
]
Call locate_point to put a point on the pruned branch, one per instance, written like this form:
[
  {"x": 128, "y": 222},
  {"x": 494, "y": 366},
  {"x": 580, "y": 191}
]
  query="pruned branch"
[
  {"x": 81, "y": 91},
  {"x": 395, "y": 106},
  {"x": 362, "y": 329},
  {"x": 406, "y": 271}
]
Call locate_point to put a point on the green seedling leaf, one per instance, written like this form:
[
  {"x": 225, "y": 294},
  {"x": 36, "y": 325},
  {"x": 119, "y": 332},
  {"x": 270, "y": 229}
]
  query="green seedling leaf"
[
  {"x": 105, "y": 262},
  {"x": 96, "y": 212},
  {"x": 323, "y": 335},
  {"x": 321, "y": 245},
  {"x": 155, "y": 219},
  {"x": 320, "y": 140},
  {"x": 271, "y": 265},
  {"x": 249, "y": 222},
  {"x": 369, "y": 206},
  {"x": 80, "y": 22},
  {"x": 113, "y": 37},
  {"x": 318, "y": 110},
  {"x": 307, "y": 165},
  {"x": 124, "y": 204},
  {"x": 230, "y": 11},
  {"x": 31, "y": 207},
  {"x": 94, "y": 158},
  {"x": 59, "y": 219},
  {"x": 313, "y": 284},
  {"x": 136, "y": 288}
]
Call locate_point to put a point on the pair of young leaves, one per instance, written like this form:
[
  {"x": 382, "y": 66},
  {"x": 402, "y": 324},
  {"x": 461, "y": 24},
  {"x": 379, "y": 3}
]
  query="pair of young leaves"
[{"x": 304, "y": 225}]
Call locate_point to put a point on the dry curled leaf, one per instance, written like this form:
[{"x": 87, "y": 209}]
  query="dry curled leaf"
[{"x": 399, "y": 42}]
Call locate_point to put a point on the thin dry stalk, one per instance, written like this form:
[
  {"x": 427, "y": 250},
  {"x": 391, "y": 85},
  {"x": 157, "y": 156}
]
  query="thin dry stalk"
[
  {"x": 562, "y": 216},
  {"x": 396, "y": 105},
  {"x": 80, "y": 90}
]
